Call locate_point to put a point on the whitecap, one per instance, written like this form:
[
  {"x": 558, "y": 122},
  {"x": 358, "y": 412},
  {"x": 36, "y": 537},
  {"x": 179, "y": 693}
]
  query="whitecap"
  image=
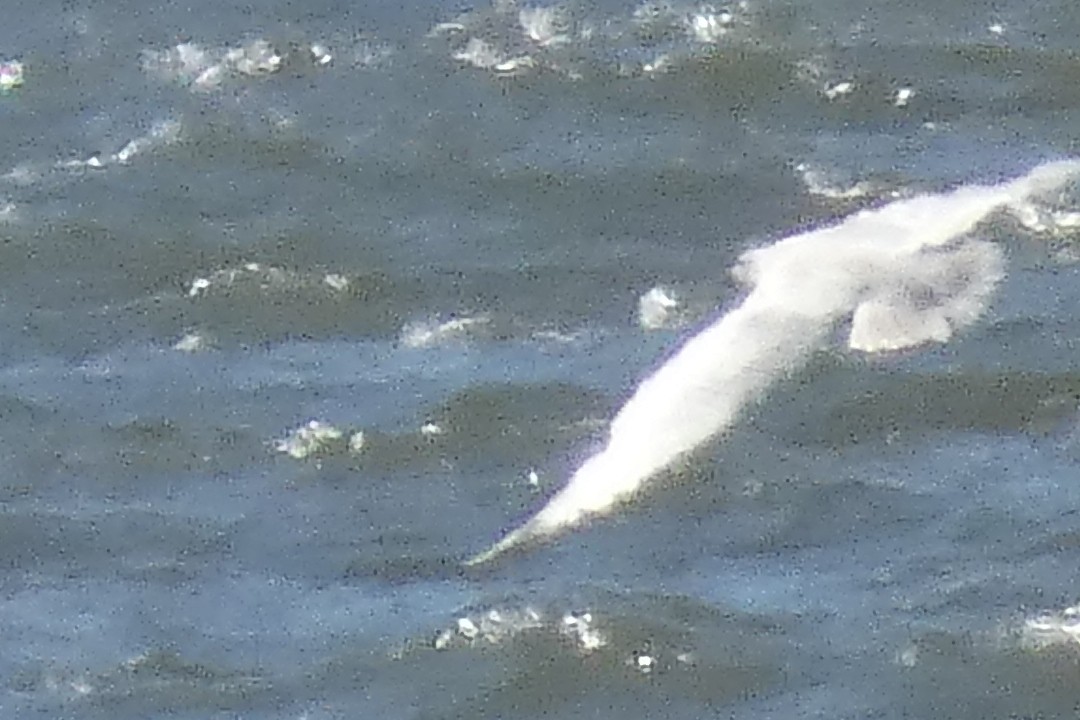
[
  {"x": 543, "y": 25},
  {"x": 658, "y": 309},
  {"x": 430, "y": 333},
  {"x": 1052, "y": 629}
]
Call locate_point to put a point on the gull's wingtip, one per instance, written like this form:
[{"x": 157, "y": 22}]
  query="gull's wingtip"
[
  {"x": 482, "y": 557},
  {"x": 511, "y": 540}
]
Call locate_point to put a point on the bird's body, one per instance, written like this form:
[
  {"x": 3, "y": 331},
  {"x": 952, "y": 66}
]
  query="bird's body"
[{"x": 904, "y": 274}]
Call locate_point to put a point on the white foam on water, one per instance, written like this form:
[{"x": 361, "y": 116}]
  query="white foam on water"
[
  {"x": 820, "y": 182},
  {"x": 543, "y": 25},
  {"x": 431, "y": 333},
  {"x": 205, "y": 69},
  {"x": 658, "y": 309},
  {"x": 904, "y": 274},
  {"x": 479, "y": 54},
  {"x": 1060, "y": 628}
]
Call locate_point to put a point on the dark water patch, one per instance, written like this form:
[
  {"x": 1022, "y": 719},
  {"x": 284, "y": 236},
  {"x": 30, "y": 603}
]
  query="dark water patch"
[
  {"x": 506, "y": 420},
  {"x": 845, "y": 513},
  {"x": 140, "y": 455},
  {"x": 157, "y": 681},
  {"x": 405, "y": 528},
  {"x": 27, "y": 427},
  {"x": 948, "y": 83},
  {"x": 398, "y": 559},
  {"x": 1021, "y": 81},
  {"x": 484, "y": 426},
  {"x": 158, "y": 446},
  {"x": 62, "y": 267},
  {"x": 1062, "y": 543},
  {"x": 256, "y": 303},
  {"x": 628, "y": 651},
  {"x": 125, "y": 543},
  {"x": 1037, "y": 327},
  {"x": 957, "y": 676},
  {"x": 908, "y": 407}
]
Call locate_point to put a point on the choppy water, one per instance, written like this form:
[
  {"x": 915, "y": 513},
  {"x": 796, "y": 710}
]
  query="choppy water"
[{"x": 429, "y": 228}]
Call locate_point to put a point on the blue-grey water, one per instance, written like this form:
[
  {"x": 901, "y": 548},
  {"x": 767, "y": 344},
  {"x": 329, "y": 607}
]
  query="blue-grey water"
[{"x": 426, "y": 227}]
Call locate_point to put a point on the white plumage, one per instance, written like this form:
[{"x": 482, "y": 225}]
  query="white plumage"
[{"x": 905, "y": 274}]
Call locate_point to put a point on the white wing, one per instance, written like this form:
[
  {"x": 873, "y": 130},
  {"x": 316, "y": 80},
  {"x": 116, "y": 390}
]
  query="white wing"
[{"x": 906, "y": 273}]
